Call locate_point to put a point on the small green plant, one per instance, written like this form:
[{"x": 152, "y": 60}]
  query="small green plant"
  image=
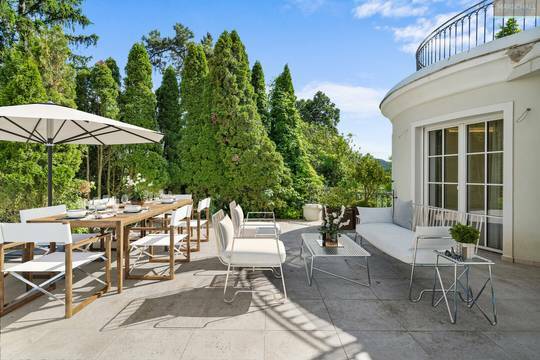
[
  {"x": 464, "y": 234},
  {"x": 511, "y": 27}
]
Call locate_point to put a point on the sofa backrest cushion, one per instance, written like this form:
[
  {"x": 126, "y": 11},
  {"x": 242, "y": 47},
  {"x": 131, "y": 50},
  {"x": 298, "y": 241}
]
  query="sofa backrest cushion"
[
  {"x": 403, "y": 214},
  {"x": 374, "y": 215}
]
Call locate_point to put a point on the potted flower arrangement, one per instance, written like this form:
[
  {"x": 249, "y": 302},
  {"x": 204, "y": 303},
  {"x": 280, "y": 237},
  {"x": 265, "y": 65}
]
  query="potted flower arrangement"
[
  {"x": 137, "y": 189},
  {"x": 466, "y": 236},
  {"x": 332, "y": 225}
]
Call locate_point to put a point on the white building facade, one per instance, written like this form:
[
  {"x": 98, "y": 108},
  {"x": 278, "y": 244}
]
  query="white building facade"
[{"x": 466, "y": 136}]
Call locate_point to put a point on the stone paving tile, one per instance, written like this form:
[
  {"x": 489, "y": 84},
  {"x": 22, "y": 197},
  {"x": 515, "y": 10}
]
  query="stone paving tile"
[
  {"x": 225, "y": 344},
  {"x": 300, "y": 345},
  {"x": 361, "y": 315}
]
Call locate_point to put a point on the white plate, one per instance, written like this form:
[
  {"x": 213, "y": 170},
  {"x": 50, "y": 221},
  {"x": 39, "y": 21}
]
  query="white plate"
[
  {"x": 76, "y": 214},
  {"x": 132, "y": 208}
]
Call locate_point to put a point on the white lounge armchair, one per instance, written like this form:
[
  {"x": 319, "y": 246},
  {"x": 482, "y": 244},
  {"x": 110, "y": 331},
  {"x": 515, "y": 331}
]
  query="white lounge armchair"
[
  {"x": 264, "y": 253},
  {"x": 166, "y": 237},
  {"x": 415, "y": 246},
  {"x": 256, "y": 224},
  {"x": 61, "y": 264}
]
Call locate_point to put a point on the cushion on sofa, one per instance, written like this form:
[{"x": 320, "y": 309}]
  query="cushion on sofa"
[
  {"x": 403, "y": 214},
  {"x": 374, "y": 215}
]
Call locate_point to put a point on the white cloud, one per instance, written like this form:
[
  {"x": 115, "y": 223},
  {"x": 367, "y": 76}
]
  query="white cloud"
[
  {"x": 390, "y": 8},
  {"x": 359, "y": 101},
  {"x": 411, "y": 35}
]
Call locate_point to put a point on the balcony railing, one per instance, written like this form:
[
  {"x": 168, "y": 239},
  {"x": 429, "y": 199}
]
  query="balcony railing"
[{"x": 475, "y": 26}]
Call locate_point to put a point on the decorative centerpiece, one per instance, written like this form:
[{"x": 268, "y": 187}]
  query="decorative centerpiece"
[
  {"x": 137, "y": 189},
  {"x": 331, "y": 227},
  {"x": 466, "y": 237}
]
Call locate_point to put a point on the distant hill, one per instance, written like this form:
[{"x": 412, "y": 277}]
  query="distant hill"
[{"x": 387, "y": 165}]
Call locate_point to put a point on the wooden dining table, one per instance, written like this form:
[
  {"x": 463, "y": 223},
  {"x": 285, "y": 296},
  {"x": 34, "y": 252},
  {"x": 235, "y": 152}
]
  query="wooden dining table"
[{"x": 120, "y": 222}]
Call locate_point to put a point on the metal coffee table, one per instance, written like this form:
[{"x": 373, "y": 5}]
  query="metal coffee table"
[
  {"x": 461, "y": 283},
  {"x": 311, "y": 249}
]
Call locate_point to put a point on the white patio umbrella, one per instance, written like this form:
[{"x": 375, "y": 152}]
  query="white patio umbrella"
[{"x": 51, "y": 124}]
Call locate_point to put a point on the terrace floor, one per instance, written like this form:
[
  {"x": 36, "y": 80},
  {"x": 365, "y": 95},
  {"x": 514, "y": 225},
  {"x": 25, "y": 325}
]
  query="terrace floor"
[{"x": 187, "y": 319}]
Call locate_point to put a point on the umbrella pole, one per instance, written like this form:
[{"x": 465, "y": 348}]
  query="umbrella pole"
[{"x": 49, "y": 174}]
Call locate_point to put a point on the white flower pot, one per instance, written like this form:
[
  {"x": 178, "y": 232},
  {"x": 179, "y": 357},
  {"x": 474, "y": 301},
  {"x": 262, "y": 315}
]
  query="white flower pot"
[{"x": 312, "y": 212}]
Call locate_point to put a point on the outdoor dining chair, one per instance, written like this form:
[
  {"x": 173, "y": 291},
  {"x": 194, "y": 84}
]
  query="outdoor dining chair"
[
  {"x": 59, "y": 264},
  {"x": 203, "y": 208},
  {"x": 164, "y": 237},
  {"x": 257, "y": 223},
  {"x": 266, "y": 253}
]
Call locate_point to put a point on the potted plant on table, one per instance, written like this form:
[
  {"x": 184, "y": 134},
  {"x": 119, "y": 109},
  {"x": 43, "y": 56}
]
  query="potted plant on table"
[
  {"x": 137, "y": 188},
  {"x": 466, "y": 236},
  {"x": 331, "y": 227}
]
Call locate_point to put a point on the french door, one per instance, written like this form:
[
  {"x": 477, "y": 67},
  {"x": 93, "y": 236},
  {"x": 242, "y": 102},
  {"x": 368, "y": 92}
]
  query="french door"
[{"x": 464, "y": 172}]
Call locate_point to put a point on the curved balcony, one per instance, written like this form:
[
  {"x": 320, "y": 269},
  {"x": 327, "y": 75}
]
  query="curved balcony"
[{"x": 475, "y": 26}]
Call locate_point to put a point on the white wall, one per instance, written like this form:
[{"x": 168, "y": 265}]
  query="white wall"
[{"x": 464, "y": 88}]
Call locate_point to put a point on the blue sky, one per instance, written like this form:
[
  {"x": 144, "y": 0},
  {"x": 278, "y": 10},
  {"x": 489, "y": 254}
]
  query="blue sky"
[{"x": 352, "y": 50}]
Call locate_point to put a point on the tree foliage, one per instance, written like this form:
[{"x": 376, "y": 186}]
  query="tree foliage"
[
  {"x": 509, "y": 28},
  {"x": 115, "y": 71},
  {"x": 261, "y": 97},
  {"x": 253, "y": 171},
  {"x": 370, "y": 176},
  {"x": 165, "y": 51},
  {"x": 169, "y": 121},
  {"x": 21, "y": 20},
  {"x": 319, "y": 110},
  {"x": 286, "y": 133},
  {"x": 138, "y": 107}
]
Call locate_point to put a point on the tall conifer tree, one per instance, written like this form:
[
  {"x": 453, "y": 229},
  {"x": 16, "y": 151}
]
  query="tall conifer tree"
[
  {"x": 253, "y": 171},
  {"x": 168, "y": 118},
  {"x": 261, "y": 98},
  {"x": 138, "y": 107},
  {"x": 115, "y": 70},
  {"x": 286, "y": 133},
  {"x": 200, "y": 170}
]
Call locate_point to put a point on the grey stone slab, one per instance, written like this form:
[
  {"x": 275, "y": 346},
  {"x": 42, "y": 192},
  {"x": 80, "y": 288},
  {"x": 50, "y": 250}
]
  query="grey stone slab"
[
  {"x": 518, "y": 314},
  {"x": 464, "y": 345},
  {"x": 228, "y": 344},
  {"x": 423, "y": 317},
  {"x": 300, "y": 345},
  {"x": 397, "y": 289},
  {"x": 520, "y": 344},
  {"x": 361, "y": 315},
  {"x": 381, "y": 345},
  {"x": 298, "y": 315},
  {"x": 334, "y": 288},
  {"x": 144, "y": 344}
]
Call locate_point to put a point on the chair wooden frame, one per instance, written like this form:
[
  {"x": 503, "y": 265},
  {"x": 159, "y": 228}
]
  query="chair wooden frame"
[
  {"x": 40, "y": 289},
  {"x": 173, "y": 230}
]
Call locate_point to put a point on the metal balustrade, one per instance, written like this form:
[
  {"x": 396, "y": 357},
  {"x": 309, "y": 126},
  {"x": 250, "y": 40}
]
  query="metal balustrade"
[{"x": 475, "y": 26}]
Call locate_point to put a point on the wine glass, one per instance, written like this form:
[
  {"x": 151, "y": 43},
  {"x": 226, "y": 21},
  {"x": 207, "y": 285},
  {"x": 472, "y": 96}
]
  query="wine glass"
[{"x": 125, "y": 199}]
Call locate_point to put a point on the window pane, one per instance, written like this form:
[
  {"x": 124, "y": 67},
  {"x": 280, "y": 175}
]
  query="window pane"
[
  {"x": 475, "y": 199},
  {"x": 435, "y": 142},
  {"x": 495, "y": 200},
  {"x": 494, "y": 233},
  {"x": 435, "y": 169},
  {"x": 435, "y": 195},
  {"x": 495, "y": 168},
  {"x": 475, "y": 168},
  {"x": 450, "y": 196},
  {"x": 475, "y": 141},
  {"x": 482, "y": 240},
  {"x": 451, "y": 169},
  {"x": 495, "y": 135},
  {"x": 451, "y": 141}
]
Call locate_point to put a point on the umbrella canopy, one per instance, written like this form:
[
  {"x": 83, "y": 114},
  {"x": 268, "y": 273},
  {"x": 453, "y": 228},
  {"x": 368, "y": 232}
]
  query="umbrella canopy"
[{"x": 51, "y": 124}]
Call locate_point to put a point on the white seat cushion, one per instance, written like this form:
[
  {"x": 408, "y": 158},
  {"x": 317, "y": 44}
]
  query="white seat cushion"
[
  {"x": 398, "y": 242},
  {"x": 158, "y": 240},
  {"x": 256, "y": 252},
  {"x": 55, "y": 262}
]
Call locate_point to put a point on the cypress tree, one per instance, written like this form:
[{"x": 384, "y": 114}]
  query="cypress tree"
[
  {"x": 115, "y": 70},
  {"x": 261, "y": 98},
  {"x": 253, "y": 171},
  {"x": 286, "y": 133},
  {"x": 200, "y": 170},
  {"x": 138, "y": 107},
  {"x": 168, "y": 118}
]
